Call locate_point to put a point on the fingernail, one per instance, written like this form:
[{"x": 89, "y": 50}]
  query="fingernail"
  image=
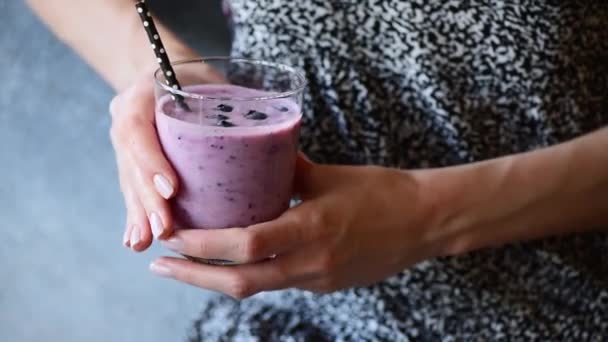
[
  {"x": 125, "y": 238},
  {"x": 163, "y": 186},
  {"x": 175, "y": 244},
  {"x": 160, "y": 270},
  {"x": 157, "y": 225},
  {"x": 135, "y": 236}
]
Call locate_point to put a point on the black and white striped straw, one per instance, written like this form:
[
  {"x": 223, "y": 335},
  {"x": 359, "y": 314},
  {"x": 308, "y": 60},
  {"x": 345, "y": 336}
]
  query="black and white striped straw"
[{"x": 159, "y": 51}]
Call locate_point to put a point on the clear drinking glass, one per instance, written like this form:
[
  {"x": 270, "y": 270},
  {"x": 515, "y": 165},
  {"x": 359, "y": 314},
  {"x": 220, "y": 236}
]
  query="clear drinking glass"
[{"x": 234, "y": 145}]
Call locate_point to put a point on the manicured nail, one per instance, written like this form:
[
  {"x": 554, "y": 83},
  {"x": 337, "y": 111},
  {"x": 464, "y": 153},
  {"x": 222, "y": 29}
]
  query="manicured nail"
[
  {"x": 160, "y": 270},
  {"x": 163, "y": 186},
  {"x": 135, "y": 236},
  {"x": 175, "y": 244},
  {"x": 157, "y": 225},
  {"x": 125, "y": 238}
]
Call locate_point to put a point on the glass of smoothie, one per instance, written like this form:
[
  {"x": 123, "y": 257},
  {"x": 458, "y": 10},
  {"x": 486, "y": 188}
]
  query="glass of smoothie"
[{"x": 231, "y": 134}]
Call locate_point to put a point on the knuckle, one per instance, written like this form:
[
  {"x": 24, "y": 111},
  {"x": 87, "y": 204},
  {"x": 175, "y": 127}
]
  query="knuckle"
[
  {"x": 240, "y": 288},
  {"x": 203, "y": 248},
  {"x": 121, "y": 128},
  {"x": 327, "y": 264},
  {"x": 315, "y": 223},
  {"x": 316, "y": 218},
  {"x": 299, "y": 217},
  {"x": 129, "y": 124}
]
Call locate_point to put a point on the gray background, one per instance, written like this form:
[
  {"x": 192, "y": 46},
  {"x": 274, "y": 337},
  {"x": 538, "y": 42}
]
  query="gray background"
[{"x": 64, "y": 275}]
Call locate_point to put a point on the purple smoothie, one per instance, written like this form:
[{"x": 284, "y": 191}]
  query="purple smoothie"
[{"x": 235, "y": 158}]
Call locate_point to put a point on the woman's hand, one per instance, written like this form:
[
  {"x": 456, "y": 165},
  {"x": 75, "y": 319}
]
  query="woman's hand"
[
  {"x": 146, "y": 177},
  {"x": 355, "y": 226},
  {"x": 147, "y": 180}
]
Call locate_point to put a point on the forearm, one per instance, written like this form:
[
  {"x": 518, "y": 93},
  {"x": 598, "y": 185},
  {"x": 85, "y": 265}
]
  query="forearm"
[
  {"x": 557, "y": 190},
  {"x": 108, "y": 35}
]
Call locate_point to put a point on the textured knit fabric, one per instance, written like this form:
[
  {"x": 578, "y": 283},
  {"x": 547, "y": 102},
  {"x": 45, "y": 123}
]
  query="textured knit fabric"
[{"x": 424, "y": 83}]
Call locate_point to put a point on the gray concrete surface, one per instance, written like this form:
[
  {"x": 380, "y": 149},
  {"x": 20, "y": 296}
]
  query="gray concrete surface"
[{"x": 63, "y": 273}]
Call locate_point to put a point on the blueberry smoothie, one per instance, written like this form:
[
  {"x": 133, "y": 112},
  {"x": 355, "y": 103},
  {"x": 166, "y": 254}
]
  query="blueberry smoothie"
[{"x": 234, "y": 155}]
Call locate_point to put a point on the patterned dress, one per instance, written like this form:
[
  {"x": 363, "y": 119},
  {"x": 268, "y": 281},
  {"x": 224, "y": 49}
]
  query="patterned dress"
[{"x": 429, "y": 83}]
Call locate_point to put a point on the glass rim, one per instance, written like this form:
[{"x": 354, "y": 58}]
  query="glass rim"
[{"x": 279, "y": 95}]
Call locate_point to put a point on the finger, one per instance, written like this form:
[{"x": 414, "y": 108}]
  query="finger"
[
  {"x": 156, "y": 207},
  {"x": 236, "y": 281},
  {"x": 247, "y": 245},
  {"x": 127, "y": 193},
  {"x": 146, "y": 151},
  {"x": 133, "y": 135},
  {"x": 140, "y": 236},
  {"x": 224, "y": 244},
  {"x": 137, "y": 231},
  {"x": 134, "y": 131}
]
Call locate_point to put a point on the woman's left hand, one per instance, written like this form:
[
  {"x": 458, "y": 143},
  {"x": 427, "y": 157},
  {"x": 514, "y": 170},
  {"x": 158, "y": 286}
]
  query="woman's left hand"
[{"x": 355, "y": 226}]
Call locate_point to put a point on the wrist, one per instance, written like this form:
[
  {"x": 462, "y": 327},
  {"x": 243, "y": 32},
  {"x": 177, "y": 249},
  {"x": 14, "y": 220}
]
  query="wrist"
[
  {"x": 455, "y": 198},
  {"x": 426, "y": 210},
  {"x": 548, "y": 192}
]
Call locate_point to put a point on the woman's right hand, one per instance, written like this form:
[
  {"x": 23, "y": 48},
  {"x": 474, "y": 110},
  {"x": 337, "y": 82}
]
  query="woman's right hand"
[{"x": 147, "y": 180}]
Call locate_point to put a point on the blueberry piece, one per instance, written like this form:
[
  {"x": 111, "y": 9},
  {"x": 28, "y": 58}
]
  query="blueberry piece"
[
  {"x": 253, "y": 217},
  {"x": 255, "y": 115},
  {"x": 225, "y": 123},
  {"x": 225, "y": 108},
  {"x": 232, "y": 157},
  {"x": 222, "y": 117},
  {"x": 282, "y": 109},
  {"x": 220, "y": 185},
  {"x": 250, "y": 206}
]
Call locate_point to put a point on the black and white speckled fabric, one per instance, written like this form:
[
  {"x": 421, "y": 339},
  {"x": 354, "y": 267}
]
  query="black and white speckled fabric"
[{"x": 421, "y": 83}]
